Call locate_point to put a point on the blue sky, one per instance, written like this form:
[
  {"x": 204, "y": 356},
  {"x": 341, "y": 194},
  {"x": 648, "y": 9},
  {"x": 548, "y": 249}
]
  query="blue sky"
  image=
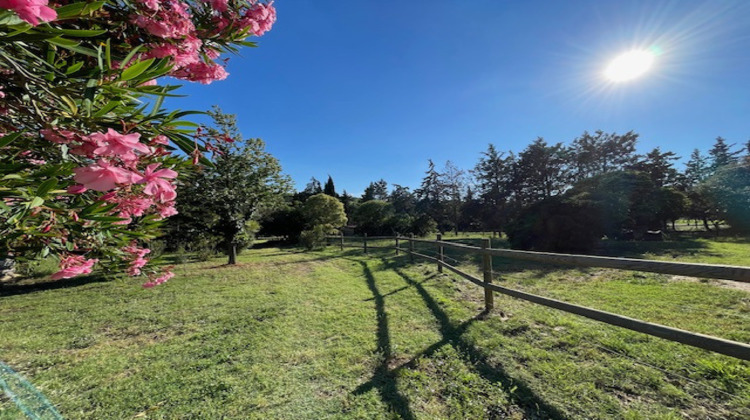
[{"x": 364, "y": 90}]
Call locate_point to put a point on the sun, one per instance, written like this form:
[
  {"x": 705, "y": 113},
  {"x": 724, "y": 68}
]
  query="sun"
[{"x": 629, "y": 65}]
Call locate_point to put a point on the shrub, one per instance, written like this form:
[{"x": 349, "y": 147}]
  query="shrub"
[
  {"x": 313, "y": 238},
  {"x": 556, "y": 225}
]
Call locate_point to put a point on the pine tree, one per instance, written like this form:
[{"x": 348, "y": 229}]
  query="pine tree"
[
  {"x": 721, "y": 154},
  {"x": 697, "y": 169},
  {"x": 659, "y": 167},
  {"x": 329, "y": 188}
]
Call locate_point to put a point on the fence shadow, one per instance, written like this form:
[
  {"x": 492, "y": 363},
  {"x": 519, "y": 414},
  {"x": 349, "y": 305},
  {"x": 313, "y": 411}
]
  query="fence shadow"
[
  {"x": 532, "y": 405},
  {"x": 383, "y": 379}
]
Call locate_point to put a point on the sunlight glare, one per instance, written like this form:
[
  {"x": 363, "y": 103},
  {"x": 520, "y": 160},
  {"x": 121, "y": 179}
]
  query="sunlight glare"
[{"x": 629, "y": 65}]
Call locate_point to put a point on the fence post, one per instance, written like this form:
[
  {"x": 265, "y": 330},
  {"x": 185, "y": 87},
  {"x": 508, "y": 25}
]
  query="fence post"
[
  {"x": 397, "y": 245},
  {"x": 440, "y": 254},
  {"x": 364, "y": 241},
  {"x": 489, "y": 298},
  {"x": 341, "y": 241},
  {"x": 411, "y": 248}
]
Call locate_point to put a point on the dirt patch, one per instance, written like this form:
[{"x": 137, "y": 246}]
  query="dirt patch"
[{"x": 736, "y": 285}]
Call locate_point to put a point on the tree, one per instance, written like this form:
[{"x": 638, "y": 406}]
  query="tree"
[
  {"x": 377, "y": 190},
  {"x": 601, "y": 153},
  {"x": 624, "y": 201},
  {"x": 86, "y": 167},
  {"x": 243, "y": 180},
  {"x": 349, "y": 203},
  {"x": 430, "y": 195},
  {"x": 728, "y": 191},
  {"x": 329, "y": 188},
  {"x": 543, "y": 171},
  {"x": 402, "y": 200},
  {"x": 697, "y": 169},
  {"x": 373, "y": 217},
  {"x": 658, "y": 165},
  {"x": 323, "y": 214},
  {"x": 453, "y": 181},
  {"x": 721, "y": 154},
  {"x": 495, "y": 175},
  {"x": 471, "y": 212}
]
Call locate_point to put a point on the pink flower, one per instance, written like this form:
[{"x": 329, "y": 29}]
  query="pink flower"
[
  {"x": 58, "y": 136},
  {"x": 152, "y": 5},
  {"x": 77, "y": 189},
  {"x": 157, "y": 184},
  {"x": 73, "y": 265},
  {"x": 119, "y": 145},
  {"x": 30, "y": 10},
  {"x": 172, "y": 20},
  {"x": 133, "y": 206},
  {"x": 86, "y": 147},
  {"x": 259, "y": 18},
  {"x": 219, "y": 5},
  {"x": 187, "y": 52},
  {"x": 136, "y": 251},
  {"x": 201, "y": 72},
  {"x": 166, "y": 210},
  {"x": 159, "y": 280},
  {"x": 104, "y": 176},
  {"x": 160, "y": 139}
]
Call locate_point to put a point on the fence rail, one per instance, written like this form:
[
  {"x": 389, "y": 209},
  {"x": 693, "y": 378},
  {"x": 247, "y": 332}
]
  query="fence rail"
[{"x": 725, "y": 272}]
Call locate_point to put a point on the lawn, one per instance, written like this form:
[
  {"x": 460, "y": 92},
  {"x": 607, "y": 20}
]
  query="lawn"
[{"x": 331, "y": 334}]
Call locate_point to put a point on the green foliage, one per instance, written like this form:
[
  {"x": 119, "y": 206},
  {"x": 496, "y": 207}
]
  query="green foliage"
[
  {"x": 729, "y": 193},
  {"x": 90, "y": 70},
  {"x": 221, "y": 201},
  {"x": 374, "y": 217},
  {"x": 315, "y": 237},
  {"x": 324, "y": 210},
  {"x": 286, "y": 221},
  {"x": 557, "y": 225}
]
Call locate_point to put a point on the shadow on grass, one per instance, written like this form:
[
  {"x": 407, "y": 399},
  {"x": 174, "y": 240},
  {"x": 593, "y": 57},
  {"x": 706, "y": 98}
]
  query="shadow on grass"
[
  {"x": 637, "y": 249},
  {"x": 40, "y": 286},
  {"x": 384, "y": 379}
]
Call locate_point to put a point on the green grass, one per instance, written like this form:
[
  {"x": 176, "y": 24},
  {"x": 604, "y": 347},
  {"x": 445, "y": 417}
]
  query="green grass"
[{"x": 331, "y": 334}]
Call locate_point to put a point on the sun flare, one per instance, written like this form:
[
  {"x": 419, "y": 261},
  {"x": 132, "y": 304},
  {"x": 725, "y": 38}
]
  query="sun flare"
[{"x": 629, "y": 65}]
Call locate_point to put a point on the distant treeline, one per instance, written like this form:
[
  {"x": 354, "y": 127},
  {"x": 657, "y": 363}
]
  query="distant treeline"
[{"x": 551, "y": 196}]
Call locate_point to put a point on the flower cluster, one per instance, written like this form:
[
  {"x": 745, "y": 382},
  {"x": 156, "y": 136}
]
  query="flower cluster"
[
  {"x": 85, "y": 166},
  {"x": 136, "y": 258},
  {"x": 73, "y": 265},
  {"x": 157, "y": 280},
  {"x": 32, "y": 11},
  {"x": 193, "y": 51}
]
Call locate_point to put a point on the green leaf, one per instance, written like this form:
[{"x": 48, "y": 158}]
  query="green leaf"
[
  {"x": 70, "y": 10},
  {"x": 106, "y": 108},
  {"x": 136, "y": 69},
  {"x": 82, "y": 33},
  {"x": 46, "y": 186},
  {"x": 36, "y": 202},
  {"x": 72, "y": 46},
  {"x": 77, "y": 9},
  {"x": 8, "y": 138},
  {"x": 74, "y": 68},
  {"x": 130, "y": 55}
]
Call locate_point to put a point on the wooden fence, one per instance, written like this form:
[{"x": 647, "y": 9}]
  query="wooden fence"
[{"x": 724, "y": 272}]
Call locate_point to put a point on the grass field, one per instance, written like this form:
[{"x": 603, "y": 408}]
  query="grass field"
[{"x": 330, "y": 334}]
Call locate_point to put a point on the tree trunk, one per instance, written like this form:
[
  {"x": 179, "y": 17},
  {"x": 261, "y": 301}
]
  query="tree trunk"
[
  {"x": 232, "y": 252},
  {"x": 705, "y": 224}
]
